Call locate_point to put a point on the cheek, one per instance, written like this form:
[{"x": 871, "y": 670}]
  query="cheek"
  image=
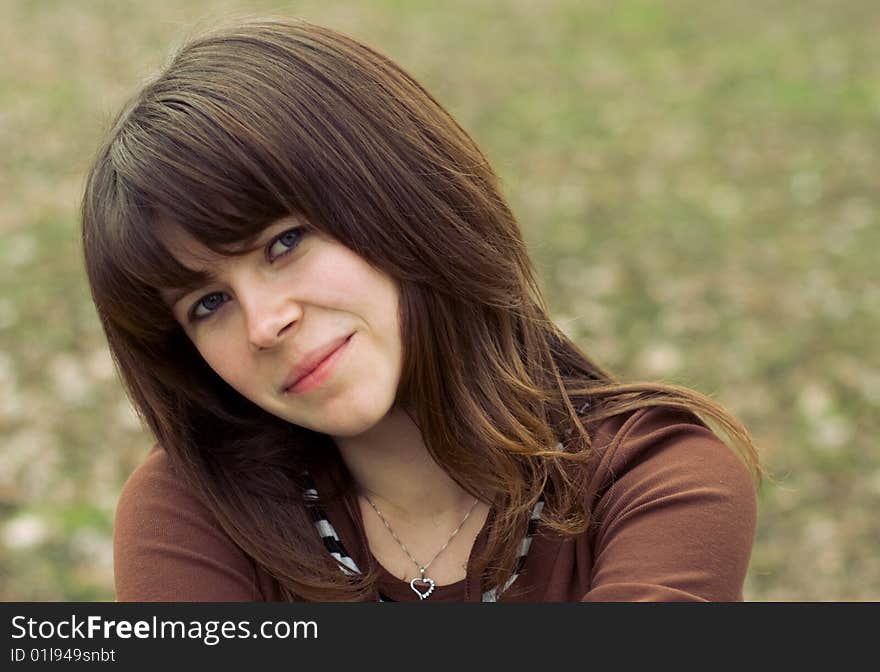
[
  {"x": 349, "y": 283},
  {"x": 226, "y": 358},
  {"x": 373, "y": 297}
]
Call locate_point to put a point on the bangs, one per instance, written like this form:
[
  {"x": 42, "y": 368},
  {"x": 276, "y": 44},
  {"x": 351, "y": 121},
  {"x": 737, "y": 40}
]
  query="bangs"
[
  {"x": 245, "y": 128},
  {"x": 154, "y": 176},
  {"x": 224, "y": 143},
  {"x": 171, "y": 166},
  {"x": 165, "y": 179}
]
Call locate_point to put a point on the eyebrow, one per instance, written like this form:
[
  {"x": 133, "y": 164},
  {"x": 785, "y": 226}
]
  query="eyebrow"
[{"x": 173, "y": 296}]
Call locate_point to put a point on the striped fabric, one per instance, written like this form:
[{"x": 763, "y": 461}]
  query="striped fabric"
[
  {"x": 328, "y": 535},
  {"x": 493, "y": 594},
  {"x": 335, "y": 547}
]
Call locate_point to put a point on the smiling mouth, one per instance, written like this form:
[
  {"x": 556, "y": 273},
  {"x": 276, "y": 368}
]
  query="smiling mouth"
[{"x": 315, "y": 375}]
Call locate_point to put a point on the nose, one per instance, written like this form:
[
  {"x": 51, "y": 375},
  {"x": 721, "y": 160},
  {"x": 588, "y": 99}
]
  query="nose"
[{"x": 269, "y": 314}]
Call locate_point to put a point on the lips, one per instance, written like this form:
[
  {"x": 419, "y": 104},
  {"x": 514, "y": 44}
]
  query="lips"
[{"x": 312, "y": 361}]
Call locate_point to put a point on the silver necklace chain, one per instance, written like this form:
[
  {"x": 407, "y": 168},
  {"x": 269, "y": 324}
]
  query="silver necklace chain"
[{"x": 426, "y": 584}]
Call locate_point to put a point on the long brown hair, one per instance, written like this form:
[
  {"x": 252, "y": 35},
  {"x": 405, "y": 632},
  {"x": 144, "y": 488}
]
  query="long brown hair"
[{"x": 268, "y": 118}]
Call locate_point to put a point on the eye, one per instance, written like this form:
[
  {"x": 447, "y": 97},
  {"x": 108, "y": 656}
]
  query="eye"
[
  {"x": 207, "y": 305},
  {"x": 284, "y": 243}
]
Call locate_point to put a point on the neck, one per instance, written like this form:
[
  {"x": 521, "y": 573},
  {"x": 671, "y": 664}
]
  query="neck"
[{"x": 391, "y": 465}]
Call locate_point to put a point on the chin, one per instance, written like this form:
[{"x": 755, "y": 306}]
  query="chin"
[
  {"x": 356, "y": 420},
  {"x": 351, "y": 426}
]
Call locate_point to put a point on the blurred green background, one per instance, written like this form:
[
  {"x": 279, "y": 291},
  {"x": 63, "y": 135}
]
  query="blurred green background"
[{"x": 697, "y": 182}]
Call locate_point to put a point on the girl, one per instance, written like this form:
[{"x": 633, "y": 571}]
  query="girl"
[{"x": 323, "y": 309}]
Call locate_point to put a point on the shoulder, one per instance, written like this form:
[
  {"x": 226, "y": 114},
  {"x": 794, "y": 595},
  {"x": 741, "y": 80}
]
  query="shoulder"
[
  {"x": 674, "y": 510},
  {"x": 663, "y": 446},
  {"x": 168, "y": 546},
  {"x": 153, "y": 495},
  {"x": 155, "y": 474}
]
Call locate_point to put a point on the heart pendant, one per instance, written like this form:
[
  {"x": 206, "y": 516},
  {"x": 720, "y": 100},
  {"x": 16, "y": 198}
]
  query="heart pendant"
[{"x": 426, "y": 583}]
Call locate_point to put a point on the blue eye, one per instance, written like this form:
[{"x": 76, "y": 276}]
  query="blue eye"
[
  {"x": 207, "y": 305},
  {"x": 284, "y": 243}
]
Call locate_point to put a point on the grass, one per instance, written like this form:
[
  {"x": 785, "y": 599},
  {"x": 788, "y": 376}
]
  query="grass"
[{"x": 696, "y": 181}]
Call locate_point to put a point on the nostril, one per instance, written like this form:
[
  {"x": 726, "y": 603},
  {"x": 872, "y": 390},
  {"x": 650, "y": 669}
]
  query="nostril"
[{"x": 287, "y": 327}]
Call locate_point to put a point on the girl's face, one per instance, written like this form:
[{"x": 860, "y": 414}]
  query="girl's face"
[{"x": 299, "y": 325}]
